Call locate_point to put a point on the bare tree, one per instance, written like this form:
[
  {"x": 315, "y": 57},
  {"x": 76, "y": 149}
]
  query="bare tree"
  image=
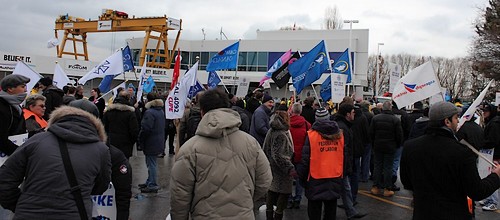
[{"x": 332, "y": 20}]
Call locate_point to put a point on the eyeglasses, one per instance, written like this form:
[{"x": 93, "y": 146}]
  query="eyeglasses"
[{"x": 41, "y": 105}]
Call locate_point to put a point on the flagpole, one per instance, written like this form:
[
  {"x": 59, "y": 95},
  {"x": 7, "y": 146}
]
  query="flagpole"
[
  {"x": 222, "y": 82},
  {"x": 111, "y": 90},
  {"x": 316, "y": 94},
  {"x": 236, "y": 71}
]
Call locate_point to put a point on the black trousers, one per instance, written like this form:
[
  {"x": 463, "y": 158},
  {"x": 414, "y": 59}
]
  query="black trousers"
[{"x": 315, "y": 208}]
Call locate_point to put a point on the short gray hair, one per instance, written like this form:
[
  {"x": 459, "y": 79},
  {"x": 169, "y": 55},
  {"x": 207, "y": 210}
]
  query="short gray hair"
[
  {"x": 387, "y": 105},
  {"x": 31, "y": 100},
  {"x": 297, "y": 108}
]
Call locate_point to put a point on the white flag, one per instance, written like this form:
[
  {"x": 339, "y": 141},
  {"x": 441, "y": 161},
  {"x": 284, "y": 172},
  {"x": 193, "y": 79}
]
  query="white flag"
[
  {"x": 142, "y": 77},
  {"x": 176, "y": 101},
  {"x": 25, "y": 70},
  {"x": 395, "y": 75},
  {"x": 472, "y": 108},
  {"x": 420, "y": 83},
  {"x": 60, "y": 77},
  {"x": 112, "y": 65}
]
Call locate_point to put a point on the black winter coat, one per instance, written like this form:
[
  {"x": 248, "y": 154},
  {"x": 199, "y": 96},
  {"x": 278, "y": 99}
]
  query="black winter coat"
[
  {"x": 386, "y": 132},
  {"x": 121, "y": 177},
  {"x": 100, "y": 103},
  {"x": 120, "y": 123},
  {"x": 54, "y": 98},
  {"x": 403, "y": 116},
  {"x": 361, "y": 136},
  {"x": 418, "y": 128},
  {"x": 245, "y": 119},
  {"x": 12, "y": 124},
  {"x": 317, "y": 189},
  {"x": 492, "y": 136},
  {"x": 348, "y": 142},
  {"x": 472, "y": 133},
  {"x": 441, "y": 172}
]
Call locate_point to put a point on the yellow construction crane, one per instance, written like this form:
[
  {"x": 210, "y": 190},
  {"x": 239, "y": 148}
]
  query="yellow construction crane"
[{"x": 76, "y": 29}]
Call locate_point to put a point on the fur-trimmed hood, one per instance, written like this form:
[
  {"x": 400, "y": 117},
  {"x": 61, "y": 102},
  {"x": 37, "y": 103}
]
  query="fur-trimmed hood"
[
  {"x": 76, "y": 125},
  {"x": 154, "y": 103},
  {"x": 120, "y": 107}
]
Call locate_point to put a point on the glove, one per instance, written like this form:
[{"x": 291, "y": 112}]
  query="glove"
[{"x": 293, "y": 173}]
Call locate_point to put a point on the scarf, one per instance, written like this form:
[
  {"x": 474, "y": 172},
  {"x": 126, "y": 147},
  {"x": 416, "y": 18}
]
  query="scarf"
[{"x": 14, "y": 100}]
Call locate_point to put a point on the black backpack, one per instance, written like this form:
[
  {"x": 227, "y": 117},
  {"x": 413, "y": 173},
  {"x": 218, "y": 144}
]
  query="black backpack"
[{"x": 192, "y": 123}]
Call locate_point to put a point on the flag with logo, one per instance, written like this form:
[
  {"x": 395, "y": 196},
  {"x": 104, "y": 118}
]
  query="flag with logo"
[
  {"x": 195, "y": 89},
  {"x": 472, "y": 108},
  {"x": 418, "y": 84},
  {"x": 326, "y": 89},
  {"x": 224, "y": 59},
  {"x": 105, "y": 84},
  {"x": 310, "y": 67},
  {"x": 140, "y": 87},
  {"x": 149, "y": 84},
  {"x": 281, "y": 76},
  {"x": 213, "y": 80},
  {"x": 343, "y": 65},
  {"x": 177, "y": 69},
  {"x": 113, "y": 65},
  {"x": 60, "y": 78},
  {"x": 282, "y": 60},
  {"x": 177, "y": 98},
  {"x": 24, "y": 70}
]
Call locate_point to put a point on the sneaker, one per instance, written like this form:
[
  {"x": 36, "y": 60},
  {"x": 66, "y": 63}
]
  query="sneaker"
[
  {"x": 375, "y": 190},
  {"x": 388, "y": 193},
  {"x": 490, "y": 207},
  {"x": 483, "y": 202},
  {"x": 142, "y": 186},
  {"x": 149, "y": 190}
]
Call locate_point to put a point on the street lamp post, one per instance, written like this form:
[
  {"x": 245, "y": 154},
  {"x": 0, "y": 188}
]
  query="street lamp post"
[
  {"x": 378, "y": 70},
  {"x": 350, "y": 39}
]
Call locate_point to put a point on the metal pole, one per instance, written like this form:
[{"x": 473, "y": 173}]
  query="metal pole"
[{"x": 377, "y": 77}]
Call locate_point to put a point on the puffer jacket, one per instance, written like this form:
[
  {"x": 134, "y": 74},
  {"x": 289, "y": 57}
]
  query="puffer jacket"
[
  {"x": 317, "y": 189},
  {"x": 279, "y": 151},
  {"x": 219, "y": 172},
  {"x": 386, "y": 132},
  {"x": 45, "y": 193},
  {"x": 298, "y": 129},
  {"x": 120, "y": 123},
  {"x": 152, "y": 134}
]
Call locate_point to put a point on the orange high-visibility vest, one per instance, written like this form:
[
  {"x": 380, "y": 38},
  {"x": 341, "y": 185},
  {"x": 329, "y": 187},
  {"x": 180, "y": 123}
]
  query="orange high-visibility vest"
[
  {"x": 327, "y": 156},
  {"x": 39, "y": 120}
]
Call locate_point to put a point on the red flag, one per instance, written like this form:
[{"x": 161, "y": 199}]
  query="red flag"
[{"x": 177, "y": 69}]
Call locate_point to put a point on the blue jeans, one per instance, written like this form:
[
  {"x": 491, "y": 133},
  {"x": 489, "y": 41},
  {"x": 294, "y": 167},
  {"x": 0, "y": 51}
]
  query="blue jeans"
[
  {"x": 299, "y": 190},
  {"x": 346, "y": 195},
  {"x": 397, "y": 158},
  {"x": 152, "y": 171},
  {"x": 354, "y": 178},
  {"x": 365, "y": 163},
  {"x": 383, "y": 163},
  {"x": 493, "y": 198}
]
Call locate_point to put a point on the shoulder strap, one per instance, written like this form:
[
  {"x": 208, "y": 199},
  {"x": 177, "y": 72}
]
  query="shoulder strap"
[{"x": 75, "y": 188}]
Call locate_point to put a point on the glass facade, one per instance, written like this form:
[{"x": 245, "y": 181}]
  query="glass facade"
[{"x": 247, "y": 61}]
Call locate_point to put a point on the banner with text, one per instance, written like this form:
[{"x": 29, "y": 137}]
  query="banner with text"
[
  {"x": 338, "y": 87},
  {"x": 395, "y": 75},
  {"x": 104, "y": 206},
  {"x": 243, "y": 86}
]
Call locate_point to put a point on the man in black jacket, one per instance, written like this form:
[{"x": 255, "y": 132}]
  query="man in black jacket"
[
  {"x": 441, "y": 172},
  {"x": 11, "y": 115},
  {"x": 53, "y": 95},
  {"x": 387, "y": 136}
]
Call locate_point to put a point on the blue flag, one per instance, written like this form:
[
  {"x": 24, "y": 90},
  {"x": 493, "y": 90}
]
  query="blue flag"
[
  {"x": 310, "y": 67},
  {"x": 326, "y": 89},
  {"x": 195, "y": 89},
  {"x": 213, "y": 80},
  {"x": 127, "y": 59},
  {"x": 148, "y": 85},
  {"x": 343, "y": 65},
  {"x": 105, "y": 84},
  {"x": 225, "y": 59}
]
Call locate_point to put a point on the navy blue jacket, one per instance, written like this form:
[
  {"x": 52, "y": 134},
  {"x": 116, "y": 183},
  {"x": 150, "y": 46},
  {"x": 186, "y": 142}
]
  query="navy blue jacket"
[{"x": 152, "y": 134}]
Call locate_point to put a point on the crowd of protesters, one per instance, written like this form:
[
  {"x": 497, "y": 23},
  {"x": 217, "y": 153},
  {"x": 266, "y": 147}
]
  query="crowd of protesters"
[{"x": 231, "y": 152}]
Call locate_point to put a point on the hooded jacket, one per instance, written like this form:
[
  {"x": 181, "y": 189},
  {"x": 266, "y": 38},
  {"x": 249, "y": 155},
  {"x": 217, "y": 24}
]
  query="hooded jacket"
[
  {"x": 45, "y": 193},
  {"x": 318, "y": 189},
  {"x": 441, "y": 172},
  {"x": 152, "y": 134},
  {"x": 54, "y": 99},
  {"x": 120, "y": 123},
  {"x": 298, "y": 128},
  {"x": 279, "y": 151},
  {"x": 219, "y": 172}
]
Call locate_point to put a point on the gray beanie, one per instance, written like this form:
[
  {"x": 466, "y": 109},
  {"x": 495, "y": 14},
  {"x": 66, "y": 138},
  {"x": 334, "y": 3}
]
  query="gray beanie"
[
  {"x": 442, "y": 110},
  {"x": 322, "y": 114},
  {"x": 85, "y": 105},
  {"x": 13, "y": 80}
]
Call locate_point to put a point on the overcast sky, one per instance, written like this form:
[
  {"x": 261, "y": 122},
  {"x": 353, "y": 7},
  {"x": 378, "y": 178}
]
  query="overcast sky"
[{"x": 425, "y": 27}]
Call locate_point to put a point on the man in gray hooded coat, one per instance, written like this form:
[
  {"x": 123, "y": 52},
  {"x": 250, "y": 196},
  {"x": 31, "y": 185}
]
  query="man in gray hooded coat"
[{"x": 220, "y": 171}]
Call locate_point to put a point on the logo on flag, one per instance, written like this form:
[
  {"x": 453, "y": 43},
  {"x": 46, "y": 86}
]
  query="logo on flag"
[
  {"x": 224, "y": 59},
  {"x": 409, "y": 87},
  {"x": 310, "y": 67},
  {"x": 341, "y": 66}
]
